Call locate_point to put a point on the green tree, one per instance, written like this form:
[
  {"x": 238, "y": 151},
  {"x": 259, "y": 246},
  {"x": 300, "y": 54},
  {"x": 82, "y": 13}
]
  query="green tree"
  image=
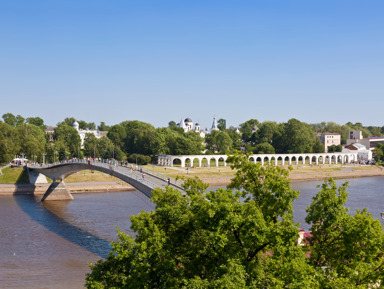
[
  {"x": 117, "y": 134},
  {"x": 318, "y": 147},
  {"x": 10, "y": 119},
  {"x": 31, "y": 141},
  {"x": 9, "y": 146},
  {"x": 20, "y": 120},
  {"x": 218, "y": 142},
  {"x": 103, "y": 126},
  {"x": 91, "y": 148},
  {"x": 69, "y": 121},
  {"x": 266, "y": 132},
  {"x": 221, "y": 124},
  {"x": 216, "y": 239},
  {"x": 298, "y": 137},
  {"x": 264, "y": 148},
  {"x": 70, "y": 137},
  {"x": 172, "y": 124},
  {"x": 378, "y": 152},
  {"x": 248, "y": 128},
  {"x": 83, "y": 124},
  {"x": 345, "y": 250},
  {"x": 37, "y": 121}
]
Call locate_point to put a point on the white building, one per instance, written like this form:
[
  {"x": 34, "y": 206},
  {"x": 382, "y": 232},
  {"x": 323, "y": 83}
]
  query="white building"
[
  {"x": 187, "y": 125},
  {"x": 362, "y": 152},
  {"x": 83, "y": 132},
  {"x": 329, "y": 139},
  {"x": 356, "y": 136}
]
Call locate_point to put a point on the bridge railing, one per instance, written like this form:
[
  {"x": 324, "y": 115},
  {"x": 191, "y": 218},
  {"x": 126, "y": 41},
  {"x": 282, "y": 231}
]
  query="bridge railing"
[
  {"x": 126, "y": 171},
  {"x": 106, "y": 164}
]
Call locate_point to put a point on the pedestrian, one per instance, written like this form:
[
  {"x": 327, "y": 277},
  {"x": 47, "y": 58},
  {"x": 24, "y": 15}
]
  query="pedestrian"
[
  {"x": 169, "y": 181},
  {"x": 143, "y": 175}
]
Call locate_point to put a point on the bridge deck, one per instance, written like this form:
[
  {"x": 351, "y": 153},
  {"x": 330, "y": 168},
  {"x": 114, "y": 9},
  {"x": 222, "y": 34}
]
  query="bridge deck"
[{"x": 143, "y": 179}]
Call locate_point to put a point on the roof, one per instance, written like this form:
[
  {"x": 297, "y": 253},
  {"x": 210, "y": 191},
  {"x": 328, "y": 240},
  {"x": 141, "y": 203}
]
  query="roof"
[{"x": 187, "y": 119}]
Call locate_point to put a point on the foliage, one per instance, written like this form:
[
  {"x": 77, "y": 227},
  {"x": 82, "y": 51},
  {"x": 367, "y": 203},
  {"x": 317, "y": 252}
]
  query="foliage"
[
  {"x": 37, "y": 121},
  {"x": 264, "y": 148},
  {"x": 102, "y": 126},
  {"x": 318, "y": 147},
  {"x": 10, "y": 119},
  {"x": 218, "y": 141},
  {"x": 69, "y": 137},
  {"x": 378, "y": 152},
  {"x": 298, "y": 137},
  {"x": 139, "y": 159},
  {"x": 221, "y": 124},
  {"x": 9, "y": 145},
  {"x": 345, "y": 250},
  {"x": 248, "y": 128},
  {"x": 335, "y": 148},
  {"x": 214, "y": 239}
]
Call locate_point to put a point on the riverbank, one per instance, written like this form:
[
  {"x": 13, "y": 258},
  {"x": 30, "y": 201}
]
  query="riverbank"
[
  {"x": 75, "y": 188},
  {"x": 301, "y": 174}
]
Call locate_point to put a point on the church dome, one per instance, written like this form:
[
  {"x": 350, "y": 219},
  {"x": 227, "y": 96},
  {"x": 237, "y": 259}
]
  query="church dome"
[{"x": 188, "y": 119}]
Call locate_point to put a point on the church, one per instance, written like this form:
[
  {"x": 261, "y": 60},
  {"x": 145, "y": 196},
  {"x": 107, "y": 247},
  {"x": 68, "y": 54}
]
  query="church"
[
  {"x": 187, "y": 125},
  {"x": 83, "y": 132}
]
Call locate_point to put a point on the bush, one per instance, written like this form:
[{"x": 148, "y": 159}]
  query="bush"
[{"x": 141, "y": 159}]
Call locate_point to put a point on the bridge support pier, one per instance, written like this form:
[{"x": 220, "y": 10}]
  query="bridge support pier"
[{"x": 57, "y": 192}]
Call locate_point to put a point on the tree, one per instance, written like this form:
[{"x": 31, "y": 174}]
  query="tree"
[
  {"x": 221, "y": 124},
  {"x": 248, "y": 128},
  {"x": 69, "y": 136},
  {"x": 318, "y": 147},
  {"x": 117, "y": 134},
  {"x": 264, "y": 148},
  {"x": 91, "y": 148},
  {"x": 69, "y": 121},
  {"x": 10, "y": 119},
  {"x": 37, "y": 121},
  {"x": 335, "y": 148},
  {"x": 298, "y": 137},
  {"x": 266, "y": 132},
  {"x": 212, "y": 239},
  {"x": 345, "y": 250},
  {"x": 218, "y": 141},
  {"x": 83, "y": 124},
  {"x": 378, "y": 152},
  {"x": 9, "y": 146},
  {"x": 20, "y": 120},
  {"x": 31, "y": 141},
  {"x": 172, "y": 124},
  {"x": 103, "y": 126}
]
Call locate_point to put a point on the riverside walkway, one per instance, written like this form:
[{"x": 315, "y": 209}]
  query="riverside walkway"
[{"x": 144, "y": 180}]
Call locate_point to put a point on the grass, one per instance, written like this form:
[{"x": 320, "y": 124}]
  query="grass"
[
  {"x": 88, "y": 176},
  {"x": 14, "y": 175}
]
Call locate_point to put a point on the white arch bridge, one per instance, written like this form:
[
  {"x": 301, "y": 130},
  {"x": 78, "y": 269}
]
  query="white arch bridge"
[
  {"x": 273, "y": 159},
  {"x": 58, "y": 172}
]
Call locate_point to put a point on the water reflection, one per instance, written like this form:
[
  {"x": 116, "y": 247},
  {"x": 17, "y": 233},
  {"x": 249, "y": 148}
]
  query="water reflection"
[{"x": 39, "y": 213}]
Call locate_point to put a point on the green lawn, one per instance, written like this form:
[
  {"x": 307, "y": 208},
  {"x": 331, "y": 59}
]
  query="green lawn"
[{"x": 15, "y": 175}]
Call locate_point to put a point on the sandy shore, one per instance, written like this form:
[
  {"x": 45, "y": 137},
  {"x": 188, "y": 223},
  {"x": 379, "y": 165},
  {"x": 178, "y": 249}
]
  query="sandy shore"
[{"x": 219, "y": 181}]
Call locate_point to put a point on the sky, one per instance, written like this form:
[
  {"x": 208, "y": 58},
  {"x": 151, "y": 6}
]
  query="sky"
[{"x": 158, "y": 61}]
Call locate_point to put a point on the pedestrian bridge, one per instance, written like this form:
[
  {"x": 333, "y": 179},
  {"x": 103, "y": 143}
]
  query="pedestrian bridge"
[
  {"x": 272, "y": 159},
  {"x": 58, "y": 172}
]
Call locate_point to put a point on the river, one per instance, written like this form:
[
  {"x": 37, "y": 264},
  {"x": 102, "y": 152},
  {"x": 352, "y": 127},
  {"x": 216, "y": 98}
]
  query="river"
[{"x": 49, "y": 245}]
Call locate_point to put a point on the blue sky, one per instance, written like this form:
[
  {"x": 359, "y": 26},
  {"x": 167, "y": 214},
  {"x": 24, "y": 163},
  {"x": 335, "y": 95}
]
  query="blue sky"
[{"x": 158, "y": 61}]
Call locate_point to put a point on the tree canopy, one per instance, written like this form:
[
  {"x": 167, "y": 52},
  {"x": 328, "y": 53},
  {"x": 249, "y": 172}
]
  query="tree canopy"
[{"x": 244, "y": 239}]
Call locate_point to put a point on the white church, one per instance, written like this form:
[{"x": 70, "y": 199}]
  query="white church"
[
  {"x": 187, "y": 125},
  {"x": 83, "y": 132}
]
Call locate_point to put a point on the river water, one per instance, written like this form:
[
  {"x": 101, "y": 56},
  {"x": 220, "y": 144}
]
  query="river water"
[{"x": 49, "y": 245}]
